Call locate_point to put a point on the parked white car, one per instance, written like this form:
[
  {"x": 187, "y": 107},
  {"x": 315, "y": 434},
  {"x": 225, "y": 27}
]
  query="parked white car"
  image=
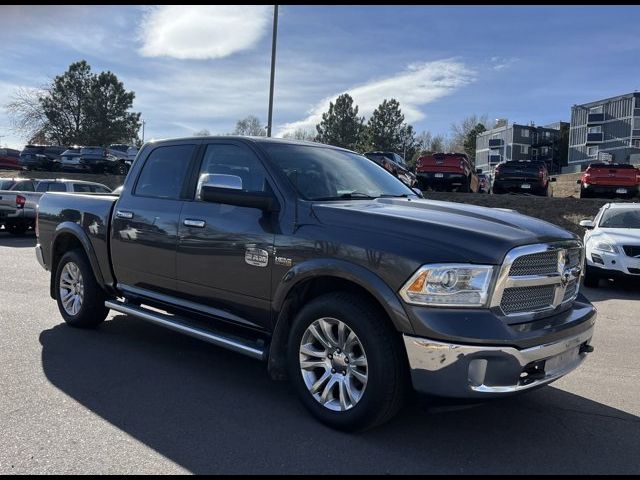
[{"x": 612, "y": 243}]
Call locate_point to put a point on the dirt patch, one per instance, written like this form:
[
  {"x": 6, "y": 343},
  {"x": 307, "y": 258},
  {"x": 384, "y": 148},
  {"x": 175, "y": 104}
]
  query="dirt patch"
[{"x": 565, "y": 212}]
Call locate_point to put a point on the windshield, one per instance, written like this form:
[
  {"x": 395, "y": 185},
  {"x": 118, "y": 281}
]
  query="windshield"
[
  {"x": 320, "y": 173},
  {"x": 621, "y": 218}
]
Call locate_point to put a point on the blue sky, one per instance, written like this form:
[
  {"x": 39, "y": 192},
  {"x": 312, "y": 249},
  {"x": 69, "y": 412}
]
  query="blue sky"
[{"x": 206, "y": 67}]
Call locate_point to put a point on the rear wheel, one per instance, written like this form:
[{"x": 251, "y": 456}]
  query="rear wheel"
[
  {"x": 80, "y": 298},
  {"x": 346, "y": 362},
  {"x": 584, "y": 193}
]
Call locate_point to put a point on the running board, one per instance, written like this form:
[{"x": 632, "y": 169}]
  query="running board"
[{"x": 231, "y": 343}]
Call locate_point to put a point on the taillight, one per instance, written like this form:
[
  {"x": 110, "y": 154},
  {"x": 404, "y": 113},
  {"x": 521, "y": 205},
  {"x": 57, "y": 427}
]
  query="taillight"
[
  {"x": 541, "y": 174},
  {"x": 586, "y": 177},
  {"x": 20, "y": 201}
]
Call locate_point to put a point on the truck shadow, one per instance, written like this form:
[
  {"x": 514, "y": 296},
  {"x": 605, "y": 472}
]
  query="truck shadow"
[
  {"x": 28, "y": 240},
  {"x": 210, "y": 410}
]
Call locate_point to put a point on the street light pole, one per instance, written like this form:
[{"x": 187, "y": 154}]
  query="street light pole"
[
  {"x": 143, "y": 131},
  {"x": 273, "y": 68}
]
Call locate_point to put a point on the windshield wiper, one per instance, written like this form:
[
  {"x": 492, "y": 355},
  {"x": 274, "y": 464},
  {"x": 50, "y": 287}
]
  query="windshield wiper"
[
  {"x": 402, "y": 195},
  {"x": 357, "y": 195}
]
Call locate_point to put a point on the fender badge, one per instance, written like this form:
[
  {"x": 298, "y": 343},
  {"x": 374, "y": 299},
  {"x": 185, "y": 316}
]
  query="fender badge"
[
  {"x": 284, "y": 261},
  {"x": 256, "y": 257}
]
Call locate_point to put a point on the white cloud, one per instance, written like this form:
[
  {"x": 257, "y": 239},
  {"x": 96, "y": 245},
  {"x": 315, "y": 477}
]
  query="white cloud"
[
  {"x": 202, "y": 31},
  {"x": 418, "y": 85},
  {"x": 500, "y": 63}
]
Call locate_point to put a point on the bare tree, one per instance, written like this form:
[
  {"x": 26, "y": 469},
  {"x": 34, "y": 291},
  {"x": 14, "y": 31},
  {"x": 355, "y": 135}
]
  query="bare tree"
[
  {"x": 301, "y": 134},
  {"x": 202, "y": 133},
  {"x": 25, "y": 112},
  {"x": 250, "y": 126},
  {"x": 423, "y": 140},
  {"x": 460, "y": 131}
]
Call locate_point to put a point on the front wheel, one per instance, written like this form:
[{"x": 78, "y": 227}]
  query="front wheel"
[
  {"x": 591, "y": 277},
  {"x": 80, "y": 298},
  {"x": 346, "y": 362}
]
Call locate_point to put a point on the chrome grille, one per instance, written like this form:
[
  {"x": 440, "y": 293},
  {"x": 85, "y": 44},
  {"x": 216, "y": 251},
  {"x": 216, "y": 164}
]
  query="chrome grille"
[
  {"x": 538, "y": 278},
  {"x": 543, "y": 263},
  {"x": 571, "y": 291},
  {"x": 527, "y": 299}
]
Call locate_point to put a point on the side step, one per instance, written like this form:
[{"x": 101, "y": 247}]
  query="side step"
[{"x": 251, "y": 349}]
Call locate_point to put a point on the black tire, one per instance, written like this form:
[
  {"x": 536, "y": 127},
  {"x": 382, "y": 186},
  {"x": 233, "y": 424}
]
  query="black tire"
[
  {"x": 591, "y": 277},
  {"x": 121, "y": 169},
  {"x": 92, "y": 311},
  {"x": 584, "y": 193},
  {"x": 387, "y": 368},
  {"x": 17, "y": 228},
  {"x": 466, "y": 186}
]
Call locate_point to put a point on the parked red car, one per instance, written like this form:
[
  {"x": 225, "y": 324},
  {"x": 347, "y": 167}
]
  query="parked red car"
[
  {"x": 9, "y": 159},
  {"x": 448, "y": 172},
  {"x": 609, "y": 180}
]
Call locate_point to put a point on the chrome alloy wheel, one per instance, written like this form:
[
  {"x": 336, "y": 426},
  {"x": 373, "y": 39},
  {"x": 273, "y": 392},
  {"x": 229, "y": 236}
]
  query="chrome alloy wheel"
[
  {"x": 333, "y": 364},
  {"x": 71, "y": 288}
]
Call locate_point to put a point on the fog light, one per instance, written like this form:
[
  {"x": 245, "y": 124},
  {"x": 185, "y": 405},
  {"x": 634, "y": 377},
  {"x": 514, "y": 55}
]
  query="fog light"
[
  {"x": 477, "y": 372},
  {"x": 597, "y": 258}
]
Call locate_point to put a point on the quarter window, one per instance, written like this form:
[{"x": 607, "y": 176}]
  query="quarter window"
[{"x": 164, "y": 172}]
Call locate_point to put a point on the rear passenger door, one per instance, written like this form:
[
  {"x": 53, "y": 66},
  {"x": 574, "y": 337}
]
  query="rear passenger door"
[{"x": 144, "y": 231}]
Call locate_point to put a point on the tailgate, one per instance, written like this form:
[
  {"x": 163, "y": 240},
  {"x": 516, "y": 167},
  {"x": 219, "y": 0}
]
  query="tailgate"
[
  {"x": 447, "y": 165},
  {"x": 7, "y": 201},
  {"x": 518, "y": 173},
  {"x": 613, "y": 176}
]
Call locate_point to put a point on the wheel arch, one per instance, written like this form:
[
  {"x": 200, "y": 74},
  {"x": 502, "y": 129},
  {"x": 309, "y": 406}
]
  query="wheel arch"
[
  {"x": 69, "y": 236},
  {"x": 311, "y": 279}
]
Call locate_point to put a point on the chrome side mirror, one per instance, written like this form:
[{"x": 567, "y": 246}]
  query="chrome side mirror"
[
  {"x": 218, "y": 180},
  {"x": 588, "y": 224}
]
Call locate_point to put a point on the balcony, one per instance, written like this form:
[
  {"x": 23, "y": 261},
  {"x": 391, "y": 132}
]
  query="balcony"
[
  {"x": 495, "y": 159},
  {"x": 496, "y": 142},
  {"x": 595, "y": 137},
  {"x": 595, "y": 118}
]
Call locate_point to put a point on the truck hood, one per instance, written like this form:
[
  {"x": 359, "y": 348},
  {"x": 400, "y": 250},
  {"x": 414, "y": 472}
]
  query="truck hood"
[{"x": 459, "y": 232}]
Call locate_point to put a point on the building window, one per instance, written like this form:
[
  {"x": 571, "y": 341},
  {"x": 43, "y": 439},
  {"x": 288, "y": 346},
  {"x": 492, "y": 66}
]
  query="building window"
[
  {"x": 524, "y": 149},
  {"x": 525, "y": 132},
  {"x": 592, "y": 151},
  {"x": 597, "y": 129},
  {"x": 635, "y": 143},
  {"x": 598, "y": 109}
]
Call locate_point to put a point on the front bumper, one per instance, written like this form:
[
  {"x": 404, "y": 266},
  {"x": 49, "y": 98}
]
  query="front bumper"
[
  {"x": 613, "y": 264},
  {"x": 472, "y": 371}
]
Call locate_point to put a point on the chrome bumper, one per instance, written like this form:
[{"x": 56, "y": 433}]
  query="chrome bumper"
[
  {"x": 472, "y": 371},
  {"x": 40, "y": 257}
]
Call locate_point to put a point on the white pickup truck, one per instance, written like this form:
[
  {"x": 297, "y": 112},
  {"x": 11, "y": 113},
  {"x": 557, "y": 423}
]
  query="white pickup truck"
[{"x": 19, "y": 199}]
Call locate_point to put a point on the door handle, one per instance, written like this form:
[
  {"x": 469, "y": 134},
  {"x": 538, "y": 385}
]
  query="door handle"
[
  {"x": 189, "y": 222},
  {"x": 124, "y": 214}
]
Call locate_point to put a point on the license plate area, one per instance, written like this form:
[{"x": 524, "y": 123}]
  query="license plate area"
[
  {"x": 621, "y": 190},
  {"x": 561, "y": 361},
  {"x": 525, "y": 186},
  {"x": 439, "y": 175}
]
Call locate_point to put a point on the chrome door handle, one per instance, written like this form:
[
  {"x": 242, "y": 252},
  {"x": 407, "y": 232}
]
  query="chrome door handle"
[
  {"x": 194, "y": 223},
  {"x": 124, "y": 214}
]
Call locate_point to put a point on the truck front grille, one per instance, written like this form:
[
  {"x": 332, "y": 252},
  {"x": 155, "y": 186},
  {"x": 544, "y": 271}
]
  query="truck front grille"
[
  {"x": 527, "y": 299},
  {"x": 538, "y": 278}
]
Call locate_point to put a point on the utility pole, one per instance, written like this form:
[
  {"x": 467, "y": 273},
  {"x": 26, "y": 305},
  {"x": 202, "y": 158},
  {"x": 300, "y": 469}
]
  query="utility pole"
[
  {"x": 143, "y": 122},
  {"x": 273, "y": 68}
]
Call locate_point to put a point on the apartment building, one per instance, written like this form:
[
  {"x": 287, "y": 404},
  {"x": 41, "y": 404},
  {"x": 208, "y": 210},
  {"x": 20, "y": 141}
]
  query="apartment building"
[
  {"x": 548, "y": 143},
  {"x": 606, "y": 130}
]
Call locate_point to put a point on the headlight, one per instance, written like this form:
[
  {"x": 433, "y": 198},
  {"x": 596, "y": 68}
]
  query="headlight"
[
  {"x": 605, "y": 247},
  {"x": 451, "y": 285}
]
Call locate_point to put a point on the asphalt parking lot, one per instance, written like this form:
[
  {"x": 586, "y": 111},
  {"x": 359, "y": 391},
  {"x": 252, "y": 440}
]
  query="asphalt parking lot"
[{"x": 131, "y": 397}]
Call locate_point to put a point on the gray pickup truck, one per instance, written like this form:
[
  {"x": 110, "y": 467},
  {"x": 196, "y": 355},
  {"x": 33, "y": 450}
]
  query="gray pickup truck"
[
  {"x": 19, "y": 203},
  {"x": 324, "y": 265}
]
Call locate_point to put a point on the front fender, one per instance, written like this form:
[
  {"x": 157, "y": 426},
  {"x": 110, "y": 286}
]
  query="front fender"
[{"x": 328, "y": 267}]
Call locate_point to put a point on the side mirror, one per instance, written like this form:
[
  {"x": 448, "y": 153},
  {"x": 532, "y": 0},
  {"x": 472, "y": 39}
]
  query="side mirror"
[
  {"x": 588, "y": 224},
  {"x": 229, "y": 196},
  {"x": 218, "y": 180},
  {"x": 578, "y": 182},
  {"x": 553, "y": 179},
  {"x": 418, "y": 192}
]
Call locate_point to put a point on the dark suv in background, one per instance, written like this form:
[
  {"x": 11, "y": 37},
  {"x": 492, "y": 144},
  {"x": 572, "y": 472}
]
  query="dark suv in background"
[
  {"x": 394, "y": 163},
  {"x": 521, "y": 176},
  {"x": 41, "y": 157}
]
